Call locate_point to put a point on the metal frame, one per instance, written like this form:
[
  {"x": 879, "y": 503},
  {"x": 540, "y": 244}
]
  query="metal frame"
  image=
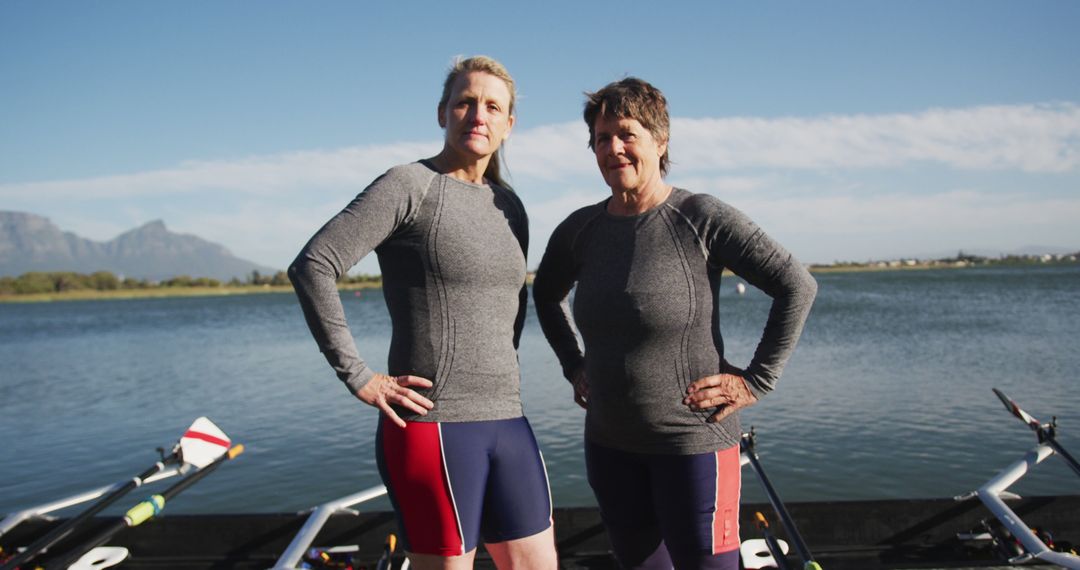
[
  {"x": 991, "y": 494},
  {"x": 290, "y": 559},
  {"x": 995, "y": 490}
]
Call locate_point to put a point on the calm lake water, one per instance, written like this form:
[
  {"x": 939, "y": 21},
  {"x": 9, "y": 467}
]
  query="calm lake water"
[{"x": 887, "y": 396}]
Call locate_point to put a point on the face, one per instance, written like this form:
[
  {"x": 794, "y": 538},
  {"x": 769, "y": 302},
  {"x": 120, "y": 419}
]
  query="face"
[
  {"x": 477, "y": 115},
  {"x": 627, "y": 154}
]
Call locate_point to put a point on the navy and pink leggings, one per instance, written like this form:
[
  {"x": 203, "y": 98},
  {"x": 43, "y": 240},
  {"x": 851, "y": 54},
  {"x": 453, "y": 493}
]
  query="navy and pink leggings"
[{"x": 664, "y": 511}]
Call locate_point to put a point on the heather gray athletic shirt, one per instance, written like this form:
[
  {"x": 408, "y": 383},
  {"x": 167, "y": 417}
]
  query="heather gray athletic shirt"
[
  {"x": 453, "y": 267},
  {"x": 647, "y": 307}
]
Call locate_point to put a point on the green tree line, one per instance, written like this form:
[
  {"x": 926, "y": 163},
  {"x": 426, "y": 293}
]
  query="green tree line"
[{"x": 37, "y": 282}]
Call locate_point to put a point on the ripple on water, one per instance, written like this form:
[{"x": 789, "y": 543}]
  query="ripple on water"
[{"x": 887, "y": 395}]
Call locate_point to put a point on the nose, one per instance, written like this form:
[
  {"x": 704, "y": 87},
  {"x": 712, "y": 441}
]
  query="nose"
[
  {"x": 616, "y": 146},
  {"x": 476, "y": 115}
]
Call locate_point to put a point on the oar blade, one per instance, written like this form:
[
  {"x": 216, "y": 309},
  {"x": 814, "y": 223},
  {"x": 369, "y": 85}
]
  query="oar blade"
[
  {"x": 203, "y": 443},
  {"x": 1015, "y": 410},
  {"x": 100, "y": 557}
]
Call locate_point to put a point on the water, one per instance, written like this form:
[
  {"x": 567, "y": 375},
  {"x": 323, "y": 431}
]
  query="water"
[{"x": 887, "y": 396}]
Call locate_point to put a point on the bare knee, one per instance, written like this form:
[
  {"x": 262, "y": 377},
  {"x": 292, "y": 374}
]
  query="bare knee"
[
  {"x": 435, "y": 562},
  {"x": 536, "y": 552}
]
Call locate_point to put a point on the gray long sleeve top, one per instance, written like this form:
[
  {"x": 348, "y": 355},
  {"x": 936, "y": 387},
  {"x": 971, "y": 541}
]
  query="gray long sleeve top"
[
  {"x": 646, "y": 304},
  {"x": 452, "y": 256}
]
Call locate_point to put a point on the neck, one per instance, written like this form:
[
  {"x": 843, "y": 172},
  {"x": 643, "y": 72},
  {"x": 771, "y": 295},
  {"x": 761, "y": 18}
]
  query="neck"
[
  {"x": 638, "y": 201},
  {"x": 461, "y": 168}
]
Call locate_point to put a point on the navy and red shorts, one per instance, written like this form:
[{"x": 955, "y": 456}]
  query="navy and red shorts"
[
  {"x": 452, "y": 483},
  {"x": 668, "y": 510}
]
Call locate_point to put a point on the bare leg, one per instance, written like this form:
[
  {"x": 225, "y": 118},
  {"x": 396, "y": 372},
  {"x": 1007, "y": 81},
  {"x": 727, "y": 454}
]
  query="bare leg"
[
  {"x": 536, "y": 552},
  {"x": 435, "y": 562}
]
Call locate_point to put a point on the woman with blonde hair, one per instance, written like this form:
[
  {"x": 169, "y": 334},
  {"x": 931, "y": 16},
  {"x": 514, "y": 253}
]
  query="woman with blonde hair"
[{"x": 457, "y": 455}]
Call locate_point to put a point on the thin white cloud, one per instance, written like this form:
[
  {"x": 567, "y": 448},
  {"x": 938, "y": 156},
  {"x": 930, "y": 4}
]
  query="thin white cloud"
[
  {"x": 827, "y": 228},
  {"x": 264, "y": 207},
  {"x": 1030, "y": 138},
  {"x": 821, "y": 227},
  {"x": 353, "y": 167},
  {"x": 958, "y": 211},
  {"x": 723, "y": 185},
  {"x": 260, "y": 231},
  {"x": 553, "y": 152}
]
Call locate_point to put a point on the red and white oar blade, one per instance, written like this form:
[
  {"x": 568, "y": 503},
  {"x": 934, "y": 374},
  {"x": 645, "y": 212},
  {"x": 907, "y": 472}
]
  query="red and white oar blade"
[
  {"x": 1015, "y": 409},
  {"x": 203, "y": 443}
]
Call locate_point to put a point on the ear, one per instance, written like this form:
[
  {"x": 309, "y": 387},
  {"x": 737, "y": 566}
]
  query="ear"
[
  {"x": 662, "y": 147},
  {"x": 442, "y": 116},
  {"x": 509, "y": 126}
]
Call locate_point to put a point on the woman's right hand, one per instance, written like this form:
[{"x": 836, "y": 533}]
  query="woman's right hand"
[
  {"x": 382, "y": 391},
  {"x": 581, "y": 387}
]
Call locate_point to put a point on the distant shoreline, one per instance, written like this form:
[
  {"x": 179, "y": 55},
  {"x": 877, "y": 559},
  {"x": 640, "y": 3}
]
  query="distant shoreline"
[
  {"x": 876, "y": 268},
  {"x": 228, "y": 290},
  {"x": 165, "y": 292}
]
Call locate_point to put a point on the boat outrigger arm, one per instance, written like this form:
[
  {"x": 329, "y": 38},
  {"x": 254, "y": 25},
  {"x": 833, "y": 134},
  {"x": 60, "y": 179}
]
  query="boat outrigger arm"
[
  {"x": 294, "y": 554},
  {"x": 992, "y": 492}
]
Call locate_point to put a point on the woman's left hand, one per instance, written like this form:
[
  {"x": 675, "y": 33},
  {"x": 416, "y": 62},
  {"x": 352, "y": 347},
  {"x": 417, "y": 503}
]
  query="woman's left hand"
[
  {"x": 726, "y": 392},
  {"x": 581, "y": 387}
]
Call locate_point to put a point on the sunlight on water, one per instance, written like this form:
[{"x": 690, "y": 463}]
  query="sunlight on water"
[{"x": 888, "y": 394}]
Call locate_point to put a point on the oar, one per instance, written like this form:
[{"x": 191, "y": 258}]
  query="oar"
[
  {"x": 770, "y": 541},
  {"x": 141, "y": 512},
  {"x": 388, "y": 553},
  {"x": 195, "y": 447},
  {"x": 809, "y": 563},
  {"x": 1045, "y": 432}
]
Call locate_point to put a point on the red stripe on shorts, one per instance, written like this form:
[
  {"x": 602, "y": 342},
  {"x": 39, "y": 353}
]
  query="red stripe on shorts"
[
  {"x": 725, "y": 531},
  {"x": 414, "y": 462}
]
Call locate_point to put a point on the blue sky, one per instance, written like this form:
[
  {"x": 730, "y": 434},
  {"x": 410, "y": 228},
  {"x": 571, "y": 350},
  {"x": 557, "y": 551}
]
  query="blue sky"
[{"x": 848, "y": 130}]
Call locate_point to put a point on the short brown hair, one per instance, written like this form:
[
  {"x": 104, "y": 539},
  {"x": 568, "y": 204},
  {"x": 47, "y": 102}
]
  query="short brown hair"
[{"x": 631, "y": 98}]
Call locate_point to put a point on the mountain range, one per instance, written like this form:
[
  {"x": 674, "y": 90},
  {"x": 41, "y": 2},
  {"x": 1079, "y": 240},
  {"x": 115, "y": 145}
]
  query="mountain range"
[{"x": 29, "y": 242}]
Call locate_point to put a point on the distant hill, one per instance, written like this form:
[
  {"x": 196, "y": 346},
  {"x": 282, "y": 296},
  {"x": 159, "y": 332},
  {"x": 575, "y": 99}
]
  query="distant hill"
[{"x": 29, "y": 242}]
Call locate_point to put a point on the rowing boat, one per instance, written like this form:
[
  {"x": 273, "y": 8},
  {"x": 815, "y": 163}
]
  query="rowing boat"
[{"x": 856, "y": 535}]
